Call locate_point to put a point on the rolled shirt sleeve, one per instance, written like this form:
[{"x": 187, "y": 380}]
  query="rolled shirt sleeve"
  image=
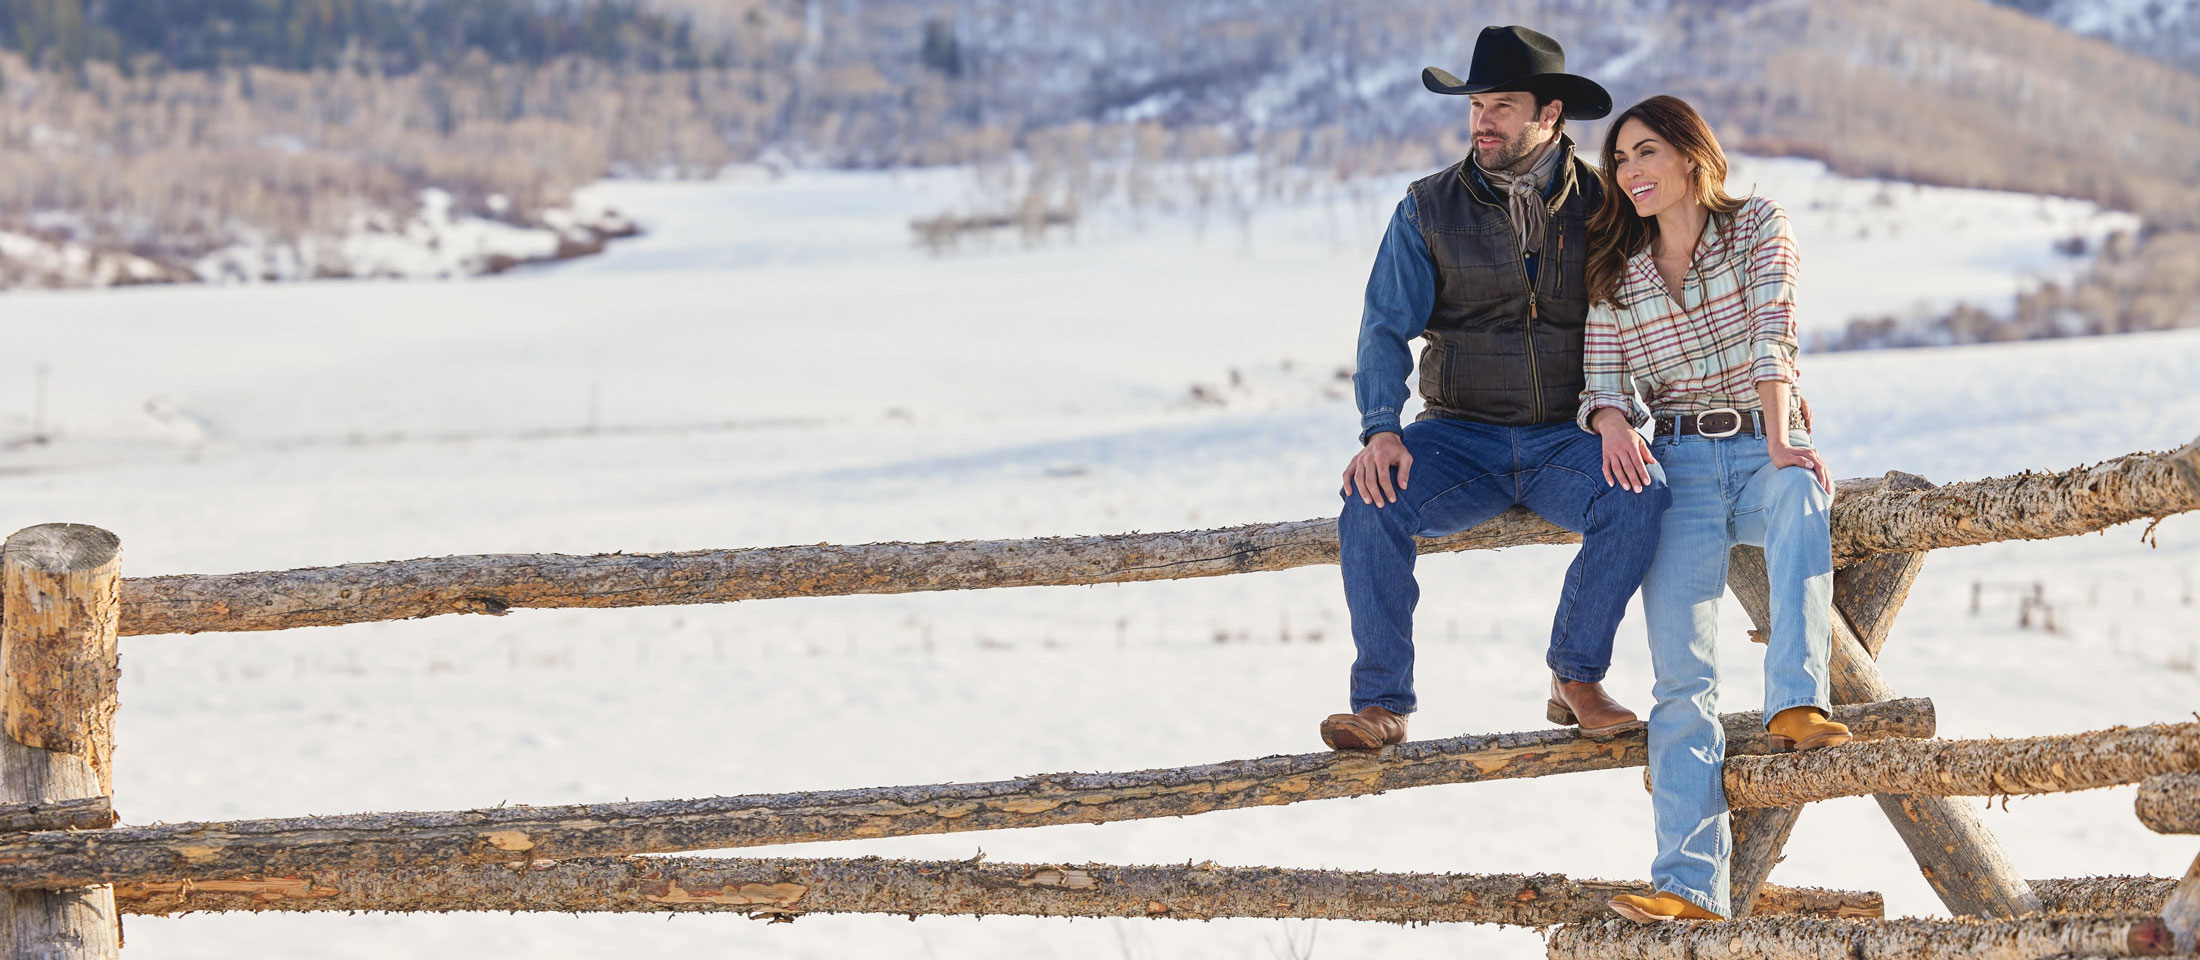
[
  {"x": 1604, "y": 371},
  {"x": 1400, "y": 293},
  {"x": 1770, "y": 289}
]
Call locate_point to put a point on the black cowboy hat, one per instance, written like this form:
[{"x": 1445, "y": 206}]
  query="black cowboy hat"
[{"x": 1517, "y": 58}]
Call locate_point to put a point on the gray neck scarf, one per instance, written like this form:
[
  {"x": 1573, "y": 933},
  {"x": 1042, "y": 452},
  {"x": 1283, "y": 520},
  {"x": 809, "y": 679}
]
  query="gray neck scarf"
[{"x": 1524, "y": 195}]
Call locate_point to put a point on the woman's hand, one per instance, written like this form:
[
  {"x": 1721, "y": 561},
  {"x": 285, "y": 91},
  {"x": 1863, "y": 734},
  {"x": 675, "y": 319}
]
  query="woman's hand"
[
  {"x": 1626, "y": 456},
  {"x": 1786, "y": 455},
  {"x": 1368, "y": 475}
]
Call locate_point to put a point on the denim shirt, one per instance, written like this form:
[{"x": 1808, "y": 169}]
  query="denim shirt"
[{"x": 1401, "y": 291}]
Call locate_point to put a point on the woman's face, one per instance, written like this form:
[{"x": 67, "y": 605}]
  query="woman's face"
[{"x": 1652, "y": 174}]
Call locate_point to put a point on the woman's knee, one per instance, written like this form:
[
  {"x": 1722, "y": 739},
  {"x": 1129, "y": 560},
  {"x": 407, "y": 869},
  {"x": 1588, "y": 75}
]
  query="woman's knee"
[{"x": 1796, "y": 490}]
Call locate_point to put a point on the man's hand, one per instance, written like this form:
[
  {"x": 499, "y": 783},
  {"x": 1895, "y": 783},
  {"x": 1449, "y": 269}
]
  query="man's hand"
[
  {"x": 1626, "y": 456},
  {"x": 1368, "y": 475}
]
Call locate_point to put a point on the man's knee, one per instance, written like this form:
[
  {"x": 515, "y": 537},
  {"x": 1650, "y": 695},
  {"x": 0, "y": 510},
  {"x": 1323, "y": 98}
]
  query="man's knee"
[
  {"x": 1361, "y": 517},
  {"x": 1635, "y": 509}
]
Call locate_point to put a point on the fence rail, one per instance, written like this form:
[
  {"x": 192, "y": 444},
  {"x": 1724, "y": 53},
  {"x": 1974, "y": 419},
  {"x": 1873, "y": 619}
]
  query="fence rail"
[
  {"x": 789, "y": 887},
  {"x": 186, "y": 851},
  {"x": 1871, "y": 517}
]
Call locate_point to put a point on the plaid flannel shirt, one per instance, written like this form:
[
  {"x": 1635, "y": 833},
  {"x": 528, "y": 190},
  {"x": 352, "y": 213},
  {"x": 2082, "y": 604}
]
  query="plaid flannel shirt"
[{"x": 1736, "y": 330}]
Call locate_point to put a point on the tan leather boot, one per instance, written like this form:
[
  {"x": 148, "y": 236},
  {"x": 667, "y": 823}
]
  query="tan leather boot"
[
  {"x": 1373, "y": 728},
  {"x": 1803, "y": 728},
  {"x": 1663, "y": 908},
  {"x": 1588, "y": 706}
]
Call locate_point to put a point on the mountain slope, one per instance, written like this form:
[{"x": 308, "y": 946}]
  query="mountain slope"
[{"x": 2167, "y": 30}]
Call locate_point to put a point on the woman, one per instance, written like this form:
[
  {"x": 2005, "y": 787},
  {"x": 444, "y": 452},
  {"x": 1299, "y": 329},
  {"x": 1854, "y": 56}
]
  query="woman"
[{"x": 1692, "y": 297}]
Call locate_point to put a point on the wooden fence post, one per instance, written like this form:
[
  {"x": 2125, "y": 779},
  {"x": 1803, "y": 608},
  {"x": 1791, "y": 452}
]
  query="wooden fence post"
[
  {"x": 1869, "y": 594},
  {"x": 60, "y": 602},
  {"x": 1960, "y": 858}
]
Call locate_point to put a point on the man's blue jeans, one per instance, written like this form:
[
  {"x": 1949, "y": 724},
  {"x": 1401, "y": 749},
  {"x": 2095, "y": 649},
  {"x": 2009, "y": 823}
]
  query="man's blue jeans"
[
  {"x": 1464, "y": 473},
  {"x": 1726, "y": 492}
]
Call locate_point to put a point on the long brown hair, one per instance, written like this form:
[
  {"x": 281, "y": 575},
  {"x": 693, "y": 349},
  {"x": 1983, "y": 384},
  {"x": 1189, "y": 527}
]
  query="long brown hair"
[{"x": 1615, "y": 232}]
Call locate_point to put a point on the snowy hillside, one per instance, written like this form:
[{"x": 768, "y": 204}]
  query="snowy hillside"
[
  {"x": 2167, "y": 30},
  {"x": 775, "y": 362}
]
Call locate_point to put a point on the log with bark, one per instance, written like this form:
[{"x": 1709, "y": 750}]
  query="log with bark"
[
  {"x": 504, "y": 834},
  {"x": 2028, "y": 506},
  {"x": 60, "y": 595},
  {"x": 2170, "y": 803},
  {"x": 1811, "y": 938},
  {"x": 788, "y": 888},
  {"x": 1870, "y": 517},
  {"x": 2100, "y": 896},
  {"x": 75, "y": 813},
  {"x": 1957, "y": 768},
  {"x": 2181, "y": 909}
]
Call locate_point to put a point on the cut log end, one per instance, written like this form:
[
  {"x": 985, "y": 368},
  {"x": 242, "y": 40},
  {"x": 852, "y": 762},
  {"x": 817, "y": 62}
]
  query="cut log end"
[
  {"x": 2169, "y": 803},
  {"x": 62, "y": 548}
]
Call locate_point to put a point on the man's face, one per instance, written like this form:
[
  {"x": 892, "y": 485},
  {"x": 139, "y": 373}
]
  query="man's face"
[{"x": 1507, "y": 127}]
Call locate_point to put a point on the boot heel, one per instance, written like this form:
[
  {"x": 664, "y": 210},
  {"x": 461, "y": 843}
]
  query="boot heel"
[
  {"x": 1557, "y": 713},
  {"x": 1779, "y": 744}
]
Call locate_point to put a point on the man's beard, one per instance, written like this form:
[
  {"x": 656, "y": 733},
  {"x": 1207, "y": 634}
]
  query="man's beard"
[{"x": 1508, "y": 153}]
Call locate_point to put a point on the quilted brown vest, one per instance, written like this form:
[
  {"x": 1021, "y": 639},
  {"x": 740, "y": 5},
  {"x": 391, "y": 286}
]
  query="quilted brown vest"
[{"x": 1501, "y": 350}]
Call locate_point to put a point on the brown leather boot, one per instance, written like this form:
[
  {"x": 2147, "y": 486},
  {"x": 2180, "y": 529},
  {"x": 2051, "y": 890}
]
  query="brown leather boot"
[
  {"x": 1373, "y": 728},
  {"x": 1803, "y": 728},
  {"x": 1663, "y": 908},
  {"x": 1588, "y": 706}
]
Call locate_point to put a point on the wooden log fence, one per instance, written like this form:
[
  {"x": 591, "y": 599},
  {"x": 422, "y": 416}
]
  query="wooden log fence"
[
  {"x": 1808, "y": 938},
  {"x": 185, "y": 851},
  {"x": 786, "y": 888},
  {"x": 1965, "y": 768},
  {"x": 66, "y": 874},
  {"x": 1871, "y": 517}
]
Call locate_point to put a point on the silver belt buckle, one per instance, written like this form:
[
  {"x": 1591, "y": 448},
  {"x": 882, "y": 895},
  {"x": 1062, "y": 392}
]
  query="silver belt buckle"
[{"x": 1735, "y": 428}]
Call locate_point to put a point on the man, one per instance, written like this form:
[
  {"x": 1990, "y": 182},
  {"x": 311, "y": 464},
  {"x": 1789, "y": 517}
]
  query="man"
[{"x": 1484, "y": 259}]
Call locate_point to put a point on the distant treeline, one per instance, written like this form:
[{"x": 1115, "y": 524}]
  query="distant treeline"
[
  {"x": 2137, "y": 284},
  {"x": 389, "y": 36},
  {"x": 169, "y": 128}
]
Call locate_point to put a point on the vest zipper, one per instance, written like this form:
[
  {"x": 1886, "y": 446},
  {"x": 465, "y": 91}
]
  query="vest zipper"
[{"x": 1535, "y": 371}]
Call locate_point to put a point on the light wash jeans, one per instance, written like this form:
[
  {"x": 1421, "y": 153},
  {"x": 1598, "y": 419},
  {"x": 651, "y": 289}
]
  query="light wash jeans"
[{"x": 1726, "y": 492}]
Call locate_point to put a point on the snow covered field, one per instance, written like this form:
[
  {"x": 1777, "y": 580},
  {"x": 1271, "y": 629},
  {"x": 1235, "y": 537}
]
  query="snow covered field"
[{"x": 775, "y": 363}]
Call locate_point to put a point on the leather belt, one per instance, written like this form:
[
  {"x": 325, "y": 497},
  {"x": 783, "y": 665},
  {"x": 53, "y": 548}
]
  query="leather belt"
[{"x": 1723, "y": 422}]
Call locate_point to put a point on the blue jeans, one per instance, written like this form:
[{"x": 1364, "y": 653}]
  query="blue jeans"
[
  {"x": 1465, "y": 473},
  {"x": 1726, "y": 492}
]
